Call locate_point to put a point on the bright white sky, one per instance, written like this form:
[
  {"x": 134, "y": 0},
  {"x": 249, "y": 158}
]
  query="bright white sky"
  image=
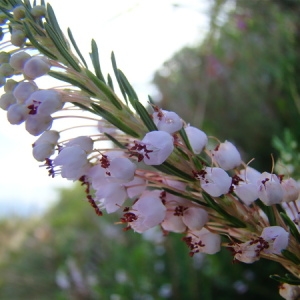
[{"x": 142, "y": 34}]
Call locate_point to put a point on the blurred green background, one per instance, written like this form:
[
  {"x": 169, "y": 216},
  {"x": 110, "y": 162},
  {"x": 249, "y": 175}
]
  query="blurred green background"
[{"x": 241, "y": 84}]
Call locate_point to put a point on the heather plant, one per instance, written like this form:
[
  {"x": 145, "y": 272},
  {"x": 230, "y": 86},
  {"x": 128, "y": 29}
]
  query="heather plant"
[{"x": 140, "y": 162}]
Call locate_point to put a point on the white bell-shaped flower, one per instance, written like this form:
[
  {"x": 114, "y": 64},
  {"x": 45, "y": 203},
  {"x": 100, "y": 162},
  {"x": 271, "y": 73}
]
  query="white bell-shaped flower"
[
  {"x": 36, "y": 66},
  {"x": 270, "y": 191},
  {"x": 17, "y": 114},
  {"x": 247, "y": 192},
  {"x": 277, "y": 239},
  {"x": 157, "y": 147},
  {"x": 6, "y": 100},
  {"x": 18, "y": 60},
  {"x": 149, "y": 211},
  {"x": 291, "y": 189},
  {"x": 111, "y": 195},
  {"x": 247, "y": 252},
  {"x": 215, "y": 181},
  {"x": 37, "y": 124},
  {"x": 122, "y": 169},
  {"x": 195, "y": 217},
  {"x": 84, "y": 142},
  {"x": 135, "y": 187},
  {"x": 73, "y": 162},
  {"x": 167, "y": 121},
  {"x": 42, "y": 151},
  {"x": 203, "y": 241},
  {"x": 24, "y": 89},
  {"x": 44, "y": 146},
  {"x": 289, "y": 292},
  {"x": 197, "y": 138},
  {"x": 227, "y": 156},
  {"x": 44, "y": 102}
]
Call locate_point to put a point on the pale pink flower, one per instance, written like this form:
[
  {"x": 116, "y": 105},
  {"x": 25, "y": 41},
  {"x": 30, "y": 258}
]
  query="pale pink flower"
[
  {"x": 149, "y": 211},
  {"x": 167, "y": 121},
  {"x": 156, "y": 147},
  {"x": 214, "y": 181},
  {"x": 227, "y": 156},
  {"x": 197, "y": 138},
  {"x": 290, "y": 189},
  {"x": 203, "y": 241},
  {"x": 270, "y": 190}
]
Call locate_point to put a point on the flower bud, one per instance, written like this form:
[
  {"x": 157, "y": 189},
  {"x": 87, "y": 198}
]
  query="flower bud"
[
  {"x": 36, "y": 67},
  {"x": 18, "y": 60},
  {"x": 197, "y": 138},
  {"x": 6, "y": 70},
  {"x": 18, "y": 37},
  {"x": 19, "y": 12},
  {"x": 38, "y": 11},
  {"x": 10, "y": 85},
  {"x": 6, "y": 100},
  {"x": 84, "y": 142},
  {"x": 227, "y": 156},
  {"x": 16, "y": 114},
  {"x": 37, "y": 124},
  {"x": 4, "y": 57},
  {"x": 24, "y": 89}
]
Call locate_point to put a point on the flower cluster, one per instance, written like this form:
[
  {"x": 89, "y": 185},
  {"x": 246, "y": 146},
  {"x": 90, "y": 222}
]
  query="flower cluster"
[{"x": 146, "y": 163}]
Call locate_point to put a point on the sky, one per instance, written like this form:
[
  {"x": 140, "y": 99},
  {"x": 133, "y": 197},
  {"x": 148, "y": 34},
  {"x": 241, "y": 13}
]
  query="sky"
[{"x": 143, "y": 34}]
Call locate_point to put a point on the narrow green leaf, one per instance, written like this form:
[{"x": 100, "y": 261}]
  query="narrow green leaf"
[
  {"x": 61, "y": 48},
  {"x": 233, "y": 220},
  {"x": 151, "y": 100},
  {"x": 291, "y": 256},
  {"x": 172, "y": 170},
  {"x": 95, "y": 60},
  {"x": 132, "y": 96},
  {"x": 76, "y": 47},
  {"x": 66, "y": 78},
  {"x": 113, "y": 120},
  {"x": 116, "y": 142},
  {"x": 185, "y": 139},
  {"x": 145, "y": 117},
  {"x": 51, "y": 19},
  {"x": 35, "y": 43},
  {"x": 110, "y": 82},
  {"x": 268, "y": 210},
  {"x": 285, "y": 279},
  {"x": 83, "y": 107},
  {"x": 182, "y": 195},
  {"x": 116, "y": 71},
  {"x": 293, "y": 229},
  {"x": 104, "y": 89}
]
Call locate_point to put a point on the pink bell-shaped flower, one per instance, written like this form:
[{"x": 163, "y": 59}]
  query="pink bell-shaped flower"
[
  {"x": 276, "y": 237},
  {"x": 270, "y": 190},
  {"x": 167, "y": 121},
  {"x": 291, "y": 189},
  {"x": 149, "y": 211},
  {"x": 227, "y": 156},
  {"x": 197, "y": 138},
  {"x": 214, "y": 181},
  {"x": 203, "y": 241},
  {"x": 156, "y": 147}
]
